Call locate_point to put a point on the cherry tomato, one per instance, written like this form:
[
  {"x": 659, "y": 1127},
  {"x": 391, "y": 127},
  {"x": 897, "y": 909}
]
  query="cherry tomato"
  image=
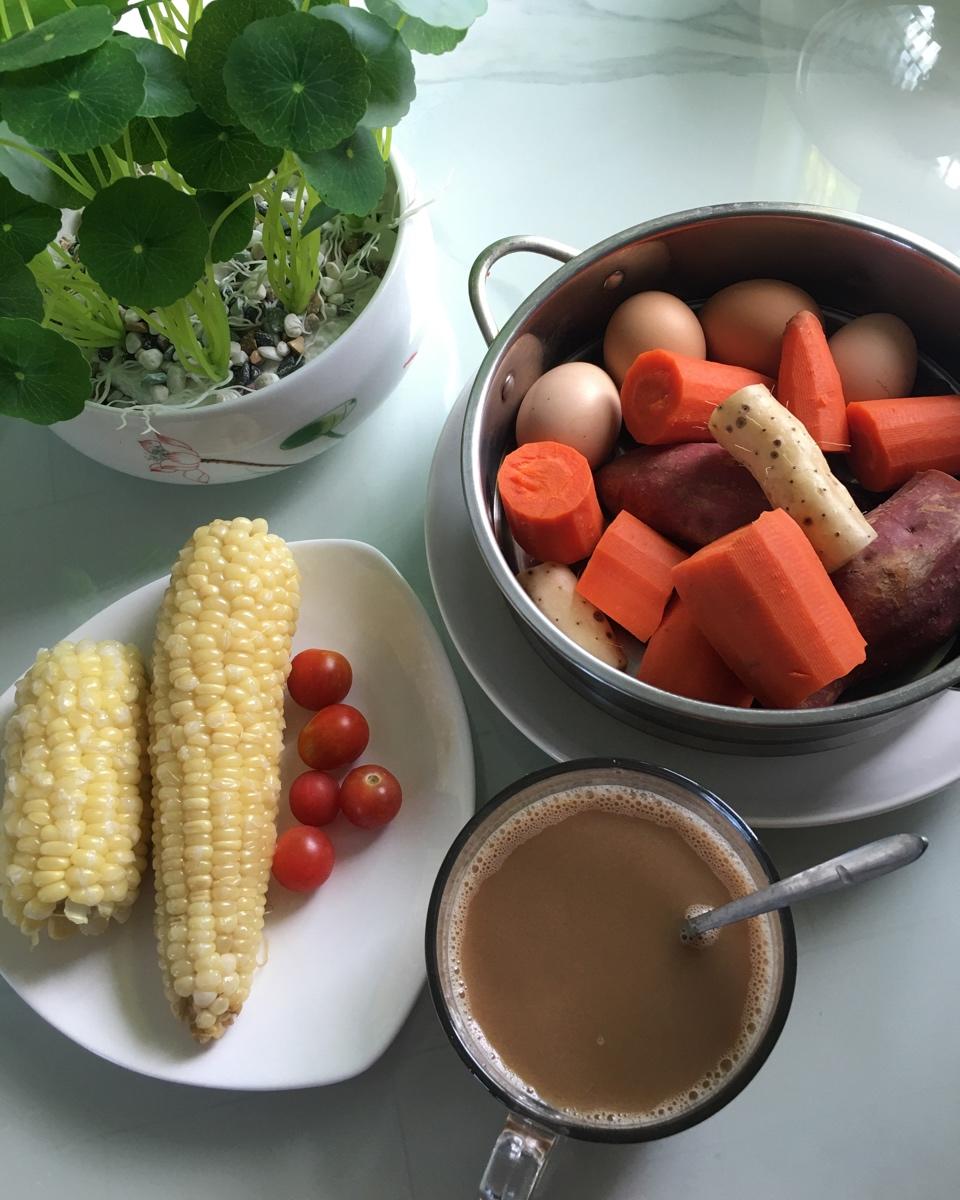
[
  {"x": 319, "y": 677},
  {"x": 303, "y": 859},
  {"x": 334, "y": 736},
  {"x": 370, "y": 796},
  {"x": 313, "y": 798}
]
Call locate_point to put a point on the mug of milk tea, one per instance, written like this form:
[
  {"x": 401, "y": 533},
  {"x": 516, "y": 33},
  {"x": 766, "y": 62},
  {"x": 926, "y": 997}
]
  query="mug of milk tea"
[{"x": 555, "y": 961}]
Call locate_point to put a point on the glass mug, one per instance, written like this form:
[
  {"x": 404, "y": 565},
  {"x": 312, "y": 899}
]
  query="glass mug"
[{"x": 533, "y": 1126}]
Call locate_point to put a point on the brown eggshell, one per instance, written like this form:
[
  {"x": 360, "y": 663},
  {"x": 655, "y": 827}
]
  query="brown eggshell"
[
  {"x": 744, "y": 322},
  {"x": 876, "y": 356},
  {"x": 650, "y": 321},
  {"x": 577, "y": 404}
]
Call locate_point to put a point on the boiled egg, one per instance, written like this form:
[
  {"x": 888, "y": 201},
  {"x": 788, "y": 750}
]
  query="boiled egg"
[
  {"x": 744, "y": 322},
  {"x": 577, "y": 404},
  {"x": 876, "y": 356},
  {"x": 650, "y": 321}
]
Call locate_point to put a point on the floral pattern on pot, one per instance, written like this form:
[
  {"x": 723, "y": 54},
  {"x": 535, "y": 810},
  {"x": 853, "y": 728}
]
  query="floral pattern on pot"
[
  {"x": 324, "y": 426},
  {"x": 167, "y": 455}
]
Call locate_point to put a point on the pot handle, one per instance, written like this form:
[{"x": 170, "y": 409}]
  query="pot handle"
[{"x": 477, "y": 285}]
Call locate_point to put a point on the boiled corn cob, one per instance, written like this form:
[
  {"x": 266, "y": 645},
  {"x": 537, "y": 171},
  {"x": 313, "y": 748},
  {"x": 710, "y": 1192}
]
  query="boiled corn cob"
[
  {"x": 221, "y": 657},
  {"x": 72, "y": 844}
]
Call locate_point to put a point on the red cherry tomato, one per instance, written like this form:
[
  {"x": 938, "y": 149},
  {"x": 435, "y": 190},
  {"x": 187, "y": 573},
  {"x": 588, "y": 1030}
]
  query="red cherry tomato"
[
  {"x": 303, "y": 859},
  {"x": 319, "y": 677},
  {"x": 313, "y": 798},
  {"x": 334, "y": 736},
  {"x": 370, "y": 796}
]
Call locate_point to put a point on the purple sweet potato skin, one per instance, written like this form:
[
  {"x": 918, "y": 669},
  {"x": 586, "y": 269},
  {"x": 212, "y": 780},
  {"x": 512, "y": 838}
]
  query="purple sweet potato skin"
[
  {"x": 693, "y": 493},
  {"x": 903, "y": 590}
]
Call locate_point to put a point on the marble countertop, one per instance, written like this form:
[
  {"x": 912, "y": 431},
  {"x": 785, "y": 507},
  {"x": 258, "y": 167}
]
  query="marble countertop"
[{"x": 571, "y": 119}]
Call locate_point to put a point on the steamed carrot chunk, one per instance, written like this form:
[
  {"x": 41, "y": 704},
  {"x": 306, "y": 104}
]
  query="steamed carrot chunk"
[
  {"x": 629, "y": 575},
  {"x": 550, "y": 501},
  {"x": 679, "y": 659},
  {"x": 764, "y": 601}
]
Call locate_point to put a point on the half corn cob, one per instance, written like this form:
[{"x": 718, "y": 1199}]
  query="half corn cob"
[
  {"x": 72, "y": 844},
  {"x": 221, "y": 656}
]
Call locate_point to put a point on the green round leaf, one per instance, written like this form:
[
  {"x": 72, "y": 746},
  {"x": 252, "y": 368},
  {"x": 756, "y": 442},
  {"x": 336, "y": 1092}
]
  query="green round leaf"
[
  {"x": 31, "y": 177},
  {"x": 19, "y": 294},
  {"x": 43, "y": 10},
  {"x": 63, "y": 36},
  {"x": 351, "y": 176},
  {"x": 220, "y": 158},
  {"x": 319, "y": 215},
  {"x": 76, "y": 104},
  {"x": 222, "y": 22},
  {"x": 454, "y": 14},
  {"x": 418, "y": 35},
  {"x": 234, "y": 234},
  {"x": 166, "y": 87},
  {"x": 143, "y": 241},
  {"x": 298, "y": 83},
  {"x": 43, "y": 377},
  {"x": 144, "y": 143},
  {"x": 25, "y": 226},
  {"x": 389, "y": 65}
]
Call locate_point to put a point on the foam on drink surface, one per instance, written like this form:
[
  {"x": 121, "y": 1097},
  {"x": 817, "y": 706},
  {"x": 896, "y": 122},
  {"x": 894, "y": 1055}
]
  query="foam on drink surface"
[{"x": 707, "y": 844}]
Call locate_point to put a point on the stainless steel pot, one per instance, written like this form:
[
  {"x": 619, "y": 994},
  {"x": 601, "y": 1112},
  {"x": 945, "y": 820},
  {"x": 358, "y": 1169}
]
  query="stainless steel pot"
[{"x": 849, "y": 263}]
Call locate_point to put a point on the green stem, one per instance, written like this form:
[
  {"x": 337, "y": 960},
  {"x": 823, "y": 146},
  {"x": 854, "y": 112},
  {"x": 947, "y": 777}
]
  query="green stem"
[
  {"x": 86, "y": 191},
  {"x": 5, "y": 20},
  {"x": 97, "y": 169},
  {"x": 155, "y": 130},
  {"x": 27, "y": 17},
  {"x": 234, "y": 204},
  {"x": 78, "y": 179},
  {"x": 119, "y": 167},
  {"x": 128, "y": 151},
  {"x": 174, "y": 17}
]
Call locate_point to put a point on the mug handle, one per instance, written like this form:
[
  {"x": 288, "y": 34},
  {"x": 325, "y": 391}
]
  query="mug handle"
[{"x": 517, "y": 1162}]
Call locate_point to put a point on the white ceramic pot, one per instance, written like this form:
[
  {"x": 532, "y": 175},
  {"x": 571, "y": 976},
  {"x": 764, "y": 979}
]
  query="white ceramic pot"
[{"x": 299, "y": 416}]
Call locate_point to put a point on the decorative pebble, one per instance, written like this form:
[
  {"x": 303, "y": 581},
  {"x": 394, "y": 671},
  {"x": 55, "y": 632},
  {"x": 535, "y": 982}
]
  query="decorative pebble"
[
  {"x": 132, "y": 319},
  {"x": 237, "y": 353},
  {"x": 176, "y": 377},
  {"x": 283, "y": 349},
  {"x": 257, "y": 253},
  {"x": 265, "y": 380},
  {"x": 261, "y": 292},
  {"x": 132, "y": 343},
  {"x": 272, "y": 320},
  {"x": 311, "y": 322},
  {"x": 297, "y": 345},
  {"x": 337, "y": 298},
  {"x": 150, "y": 359},
  {"x": 154, "y": 379},
  {"x": 170, "y": 354},
  {"x": 332, "y": 270},
  {"x": 264, "y": 339},
  {"x": 289, "y": 365},
  {"x": 159, "y": 394},
  {"x": 242, "y": 373},
  {"x": 256, "y": 358},
  {"x": 292, "y": 325},
  {"x": 328, "y": 286},
  {"x": 105, "y": 354},
  {"x": 162, "y": 342},
  {"x": 270, "y": 353}
]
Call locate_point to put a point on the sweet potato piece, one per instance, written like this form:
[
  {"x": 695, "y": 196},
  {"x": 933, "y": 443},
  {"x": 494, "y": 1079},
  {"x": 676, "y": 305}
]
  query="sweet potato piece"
[
  {"x": 903, "y": 590},
  {"x": 693, "y": 493}
]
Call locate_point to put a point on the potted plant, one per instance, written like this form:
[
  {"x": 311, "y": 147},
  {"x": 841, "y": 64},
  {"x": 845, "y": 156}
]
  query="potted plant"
[{"x": 208, "y": 262}]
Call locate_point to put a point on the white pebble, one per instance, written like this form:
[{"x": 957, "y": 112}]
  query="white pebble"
[
  {"x": 265, "y": 380},
  {"x": 237, "y": 356},
  {"x": 132, "y": 343},
  {"x": 159, "y": 394},
  {"x": 327, "y": 285},
  {"x": 131, "y": 318},
  {"x": 292, "y": 325},
  {"x": 336, "y": 298},
  {"x": 261, "y": 292},
  {"x": 150, "y": 360},
  {"x": 283, "y": 349},
  {"x": 176, "y": 377},
  {"x": 269, "y": 353},
  {"x": 311, "y": 323},
  {"x": 257, "y": 253},
  {"x": 256, "y": 237},
  {"x": 333, "y": 270}
]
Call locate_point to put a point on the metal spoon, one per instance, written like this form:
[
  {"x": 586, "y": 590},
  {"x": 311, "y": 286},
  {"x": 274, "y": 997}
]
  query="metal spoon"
[{"x": 856, "y": 866}]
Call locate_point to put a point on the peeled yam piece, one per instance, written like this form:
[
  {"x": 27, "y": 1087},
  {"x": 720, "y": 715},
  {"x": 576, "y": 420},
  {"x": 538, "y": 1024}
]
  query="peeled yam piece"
[
  {"x": 552, "y": 588},
  {"x": 790, "y": 467}
]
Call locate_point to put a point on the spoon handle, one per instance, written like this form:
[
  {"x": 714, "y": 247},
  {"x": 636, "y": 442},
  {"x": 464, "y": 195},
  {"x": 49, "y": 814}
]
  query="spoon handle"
[{"x": 856, "y": 866}]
